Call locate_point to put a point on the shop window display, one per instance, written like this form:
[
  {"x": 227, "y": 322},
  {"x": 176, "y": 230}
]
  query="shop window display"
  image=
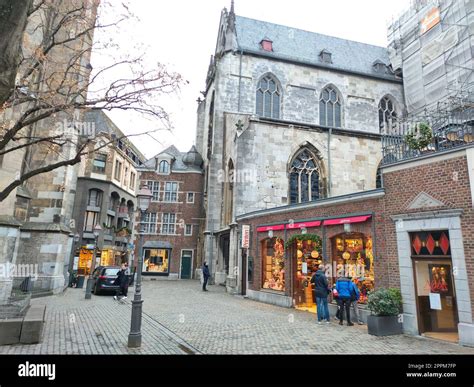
[
  {"x": 156, "y": 261},
  {"x": 353, "y": 255},
  {"x": 273, "y": 252}
]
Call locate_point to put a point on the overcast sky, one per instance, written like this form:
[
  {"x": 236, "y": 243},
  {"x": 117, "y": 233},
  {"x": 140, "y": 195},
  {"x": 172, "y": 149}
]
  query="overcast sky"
[{"x": 183, "y": 34}]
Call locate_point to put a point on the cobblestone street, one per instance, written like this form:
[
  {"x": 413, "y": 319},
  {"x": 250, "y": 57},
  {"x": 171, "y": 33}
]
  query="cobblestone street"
[{"x": 179, "y": 319}]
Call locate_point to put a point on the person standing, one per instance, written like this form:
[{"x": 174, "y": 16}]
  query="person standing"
[
  {"x": 355, "y": 294},
  {"x": 205, "y": 274},
  {"x": 321, "y": 292},
  {"x": 122, "y": 281},
  {"x": 345, "y": 287}
]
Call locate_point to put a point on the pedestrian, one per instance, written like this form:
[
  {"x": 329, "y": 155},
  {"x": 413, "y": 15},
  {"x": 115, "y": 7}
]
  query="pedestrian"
[
  {"x": 122, "y": 281},
  {"x": 355, "y": 294},
  {"x": 205, "y": 274},
  {"x": 345, "y": 287},
  {"x": 335, "y": 295},
  {"x": 321, "y": 292}
]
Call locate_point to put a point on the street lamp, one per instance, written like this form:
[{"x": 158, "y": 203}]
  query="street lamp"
[
  {"x": 97, "y": 230},
  {"x": 144, "y": 196}
]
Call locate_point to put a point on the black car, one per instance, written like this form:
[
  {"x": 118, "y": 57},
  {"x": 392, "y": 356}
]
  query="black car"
[{"x": 103, "y": 279}]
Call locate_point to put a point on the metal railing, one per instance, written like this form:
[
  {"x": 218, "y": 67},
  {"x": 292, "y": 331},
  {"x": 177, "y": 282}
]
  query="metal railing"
[{"x": 450, "y": 130}]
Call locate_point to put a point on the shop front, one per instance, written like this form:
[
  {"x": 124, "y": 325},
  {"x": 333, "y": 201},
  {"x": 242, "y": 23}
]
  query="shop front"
[
  {"x": 434, "y": 285},
  {"x": 156, "y": 258},
  {"x": 290, "y": 254}
]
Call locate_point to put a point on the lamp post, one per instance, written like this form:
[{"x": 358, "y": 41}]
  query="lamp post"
[
  {"x": 135, "y": 336},
  {"x": 97, "y": 230}
]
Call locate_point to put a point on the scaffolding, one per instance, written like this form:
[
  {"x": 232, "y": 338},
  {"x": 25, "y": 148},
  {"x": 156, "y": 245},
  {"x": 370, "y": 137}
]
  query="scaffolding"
[{"x": 432, "y": 45}]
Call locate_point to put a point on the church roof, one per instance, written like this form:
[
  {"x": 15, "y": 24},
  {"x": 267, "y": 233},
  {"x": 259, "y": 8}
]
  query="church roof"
[{"x": 305, "y": 47}]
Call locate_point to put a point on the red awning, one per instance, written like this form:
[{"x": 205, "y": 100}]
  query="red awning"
[
  {"x": 355, "y": 219},
  {"x": 271, "y": 228},
  {"x": 294, "y": 226}
]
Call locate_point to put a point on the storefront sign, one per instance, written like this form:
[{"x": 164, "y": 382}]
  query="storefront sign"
[
  {"x": 294, "y": 226},
  {"x": 271, "y": 228},
  {"x": 354, "y": 219},
  {"x": 430, "y": 20},
  {"x": 245, "y": 236}
]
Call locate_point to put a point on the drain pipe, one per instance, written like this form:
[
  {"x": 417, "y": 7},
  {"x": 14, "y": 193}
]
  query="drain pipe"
[{"x": 329, "y": 162}]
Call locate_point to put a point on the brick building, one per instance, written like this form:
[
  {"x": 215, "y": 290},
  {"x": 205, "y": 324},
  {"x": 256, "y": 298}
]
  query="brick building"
[
  {"x": 173, "y": 220},
  {"x": 406, "y": 235}
]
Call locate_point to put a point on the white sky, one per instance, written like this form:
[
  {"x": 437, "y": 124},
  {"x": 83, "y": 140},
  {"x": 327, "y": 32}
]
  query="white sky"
[{"x": 183, "y": 34}]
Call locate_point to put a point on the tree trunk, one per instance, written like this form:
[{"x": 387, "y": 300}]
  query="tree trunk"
[{"x": 13, "y": 17}]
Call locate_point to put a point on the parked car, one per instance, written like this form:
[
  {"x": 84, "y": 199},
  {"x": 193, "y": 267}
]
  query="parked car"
[{"x": 103, "y": 279}]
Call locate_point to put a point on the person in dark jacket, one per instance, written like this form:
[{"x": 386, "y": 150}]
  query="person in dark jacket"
[
  {"x": 122, "y": 281},
  {"x": 345, "y": 288},
  {"x": 205, "y": 274},
  {"x": 321, "y": 292}
]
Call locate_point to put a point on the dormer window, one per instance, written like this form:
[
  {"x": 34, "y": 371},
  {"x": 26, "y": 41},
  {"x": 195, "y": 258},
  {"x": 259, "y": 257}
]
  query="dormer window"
[
  {"x": 325, "y": 56},
  {"x": 380, "y": 67},
  {"x": 267, "y": 45},
  {"x": 164, "y": 167}
]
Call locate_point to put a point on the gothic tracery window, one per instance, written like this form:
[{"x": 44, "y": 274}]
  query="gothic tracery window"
[
  {"x": 268, "y": 97},
  {"x": 305, "y": 178},
  {"x": 330, "y": 107},
  {"x": 387, "y": 115}
]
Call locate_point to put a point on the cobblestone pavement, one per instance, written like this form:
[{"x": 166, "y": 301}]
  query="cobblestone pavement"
[{"x": 180, "y": 318}]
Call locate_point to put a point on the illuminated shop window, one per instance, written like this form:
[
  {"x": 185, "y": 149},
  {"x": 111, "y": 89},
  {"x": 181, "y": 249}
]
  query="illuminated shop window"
[
  {"x": 273, "y": 255},
  {"x": 156, "y": 261}
]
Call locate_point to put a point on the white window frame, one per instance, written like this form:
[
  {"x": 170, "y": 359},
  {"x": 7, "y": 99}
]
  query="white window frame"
[
  {"x": 152, "y": 184},
  {"x": 185, "y": 230},
  {"x": 171, "y": 192},
  {"x": 168, "y": 224},
  {"x": 150, "y": 222},
  {"x": 187, "y": 197}
]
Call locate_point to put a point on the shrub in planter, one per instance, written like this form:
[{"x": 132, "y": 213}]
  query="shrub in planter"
[{"x": 385, "y": 306}]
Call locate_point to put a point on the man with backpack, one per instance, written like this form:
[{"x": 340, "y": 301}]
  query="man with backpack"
[{"x": 346, "y": 290}]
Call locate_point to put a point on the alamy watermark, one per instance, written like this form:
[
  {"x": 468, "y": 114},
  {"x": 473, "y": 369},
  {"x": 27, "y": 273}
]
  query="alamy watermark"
[
  {"x": 240, "y": 176},
  {"x": 76, "y": 127},
  {"x": 9, "y": 271}
]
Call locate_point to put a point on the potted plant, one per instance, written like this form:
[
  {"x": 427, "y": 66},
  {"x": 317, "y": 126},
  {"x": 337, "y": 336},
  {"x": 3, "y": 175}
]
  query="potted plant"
[
  {"x": 419, "y": 138},
  {"x": 385, "y": 306}
]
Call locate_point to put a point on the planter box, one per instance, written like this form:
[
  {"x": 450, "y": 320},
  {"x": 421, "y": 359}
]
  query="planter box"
[{"x": 384, "y": 325}]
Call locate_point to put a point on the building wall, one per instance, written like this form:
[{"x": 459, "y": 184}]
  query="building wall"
[
  {"x": 186, "y": 213},
  {"x": 444, "y": 178}
]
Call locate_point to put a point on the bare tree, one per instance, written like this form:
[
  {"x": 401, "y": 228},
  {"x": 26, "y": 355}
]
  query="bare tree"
[
  {"x": 56, "y": 80},
  {"x": 13, "y": 16}
]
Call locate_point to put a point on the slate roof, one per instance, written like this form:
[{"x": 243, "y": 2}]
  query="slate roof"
[
  {"x": 305, "y": 47},
  {"x": 178, "y": 164}
]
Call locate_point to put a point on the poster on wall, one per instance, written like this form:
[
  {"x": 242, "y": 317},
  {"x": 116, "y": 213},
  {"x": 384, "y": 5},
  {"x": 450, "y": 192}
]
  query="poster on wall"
[{"x": 440, "y": 279}]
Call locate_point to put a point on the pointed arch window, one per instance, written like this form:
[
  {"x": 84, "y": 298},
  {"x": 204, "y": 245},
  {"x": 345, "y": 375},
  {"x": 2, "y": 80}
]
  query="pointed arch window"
[
  {"x": 268, "y": 97},
  {"x": 387, "y": 116},
  {"x": 330, "y": 107},
  {"x": 305, "y": 178}
]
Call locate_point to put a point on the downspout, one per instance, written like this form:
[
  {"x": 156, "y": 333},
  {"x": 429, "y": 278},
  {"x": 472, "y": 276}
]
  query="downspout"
[
  {"x": 329, "y": 163},
  {"x": 240, "y": 81}
]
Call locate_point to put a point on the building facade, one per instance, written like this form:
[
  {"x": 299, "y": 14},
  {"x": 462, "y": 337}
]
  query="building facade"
[
  {"x": 174, "y": 219},
  {"x": 106, "y": 195},
  {"x": 289, "y": 117},
  {"x": 36, "y": 216}
]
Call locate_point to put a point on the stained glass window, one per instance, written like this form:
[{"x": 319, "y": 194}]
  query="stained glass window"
[{"x": 305, "y": 178}]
